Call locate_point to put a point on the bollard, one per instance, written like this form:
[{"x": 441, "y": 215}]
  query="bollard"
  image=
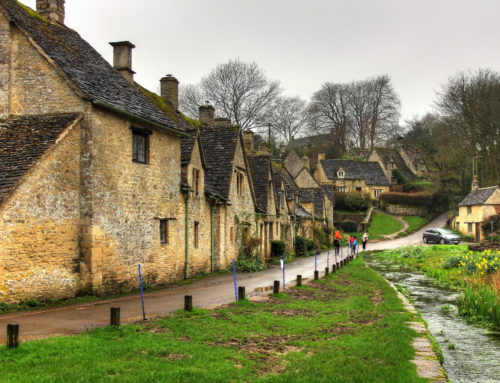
[
  {"x": 114, "y": 316},
  {"x": 299, "y": 280},
  {"x": 188, "y": 303},
  {"x": 12, "y": 335},
  {"x": 316, "y": 275},
  {"x": 334, "y": 268},
  {"x": 326, "y": 271},
  {"x": 276, "y": 288},
  {"x": 241, "y": 293}
]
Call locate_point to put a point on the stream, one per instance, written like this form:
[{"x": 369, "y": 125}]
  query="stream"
[{"x": 471, "y": 353}]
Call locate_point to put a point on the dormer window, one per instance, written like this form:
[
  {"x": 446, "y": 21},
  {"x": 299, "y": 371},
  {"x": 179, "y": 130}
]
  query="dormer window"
[
  {"x": 340, "y": 173},
  {"x": 392, "y": 164}
]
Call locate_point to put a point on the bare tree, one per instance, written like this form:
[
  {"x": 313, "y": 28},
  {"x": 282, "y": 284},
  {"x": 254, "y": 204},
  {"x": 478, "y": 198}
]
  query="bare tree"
[
  {"x": 238, "y": 90},
  {"x": 374, "y": 107},
  {"x": 287, "y": 117},
  {"x": 329, "y": 113},
  {"x": 190, "y": 98},
  {"x": 469, "y": 104}
]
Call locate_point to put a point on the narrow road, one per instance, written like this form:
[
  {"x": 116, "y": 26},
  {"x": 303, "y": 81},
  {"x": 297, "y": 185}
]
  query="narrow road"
[{"x": 207, "y": 292}]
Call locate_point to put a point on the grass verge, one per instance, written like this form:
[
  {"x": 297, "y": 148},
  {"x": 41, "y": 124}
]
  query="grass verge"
[
  {"x": 415, "y": 223},
  {"x": 475, "y": 274},
  {"x": 347, "y": 327}
]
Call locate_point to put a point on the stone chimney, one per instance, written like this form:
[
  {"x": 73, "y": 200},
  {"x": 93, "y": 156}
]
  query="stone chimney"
[
  {"x": 207, "y": 114},
  {"x": 122, "y": 59},
  {"x": 169, "y": 87},
  {"x": 321, "y": 156},
  {"x": 52, "y": 10},
  {"x": 475, "y": 184},
  {"x": 263, "y": 148},
  {"x": 305, "y": 161},
  {"x": 248, "y": 141}
]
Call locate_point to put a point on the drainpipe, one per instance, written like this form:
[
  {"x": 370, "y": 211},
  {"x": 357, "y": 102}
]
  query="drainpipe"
[
  {"x": 186, "y": 234},
  {"x": 213, "y": 208}
]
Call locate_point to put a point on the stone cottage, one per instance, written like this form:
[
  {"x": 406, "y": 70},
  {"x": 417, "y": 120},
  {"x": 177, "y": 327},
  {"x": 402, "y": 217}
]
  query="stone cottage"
[
  {"x": 350, "y": 176},
  {"x": 90, "y": 168},
  {"x": 479, "y": 205}
]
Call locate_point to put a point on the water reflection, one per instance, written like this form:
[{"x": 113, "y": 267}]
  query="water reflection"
[{"x": 472, "y": 354}]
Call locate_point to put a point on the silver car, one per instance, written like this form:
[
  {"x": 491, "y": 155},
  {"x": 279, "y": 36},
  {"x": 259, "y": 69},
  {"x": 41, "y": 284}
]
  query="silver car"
[{"x": 441, "y": 236}]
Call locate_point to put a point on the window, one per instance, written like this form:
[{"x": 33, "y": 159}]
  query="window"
[
  {"x": 358, "y": 189},
  {"x": 342, "y": 189},
  {"x": 469, "y": 209},
  {"x": 392, "y": 165},
  {"x": 377, "y": 192},
  {"x": 340, "y": 173},
  {"x": 164, "y": 231},
  {"x": 271, "y": 236},
  {"x": 394, "y": 180},
  {"x": 239, "y": 183},
  {"x": 140, "y": 146},
  {"x": 469, "y": 227},
  {"x": 196, "y": 234},
  {"x": 196, "y": 181}
]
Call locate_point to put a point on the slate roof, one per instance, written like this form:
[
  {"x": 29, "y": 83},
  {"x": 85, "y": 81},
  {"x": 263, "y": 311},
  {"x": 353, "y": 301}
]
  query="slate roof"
[
  {"x": 219, "y": 147},
  {"x": 85, "y": 67},
  {"x": 300, "y": 212},
  {"x": 259, "y": 171},
  {"x": 291, "y": 189},
  {"x": 478, "y": 197},
  {"x": 277, "y": 180},
  {"x": 293, "y": 163},
  {"x": 371, "y": 172},
  {"x": 328, "y": 190},
  {"x": 23, "y": 140},
  {"x": 314, "y": 195},
  {"x": 187, "y": 146}
]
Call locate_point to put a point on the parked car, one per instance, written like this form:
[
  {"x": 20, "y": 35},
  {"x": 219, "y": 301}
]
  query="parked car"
[{"x": 441, "y": 236}]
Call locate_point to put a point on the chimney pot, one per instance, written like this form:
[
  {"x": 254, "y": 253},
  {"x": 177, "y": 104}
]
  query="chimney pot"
[
  {"x": 169, "y": 86},
  {"x": 207, "y": 114},
  {"x": 52, "y": 10},
  {"x": 122, "y": 58}
]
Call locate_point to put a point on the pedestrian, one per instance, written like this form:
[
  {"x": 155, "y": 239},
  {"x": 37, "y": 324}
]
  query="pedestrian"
[
  {"x": 336, "y": 240},
  {"x": 354, "y": 245},
  {"x": 364, "y": 240}
]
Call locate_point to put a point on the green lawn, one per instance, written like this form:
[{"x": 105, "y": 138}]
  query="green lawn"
[
  {"x": 415, "y": 222},
  {"x": 348, "y": 327},
  {"x": 383, "y": 224}
]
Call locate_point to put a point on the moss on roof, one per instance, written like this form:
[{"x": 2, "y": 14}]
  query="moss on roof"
[
  {"x": 177, "y": 117},
  {"x": 32, "y": 12}
]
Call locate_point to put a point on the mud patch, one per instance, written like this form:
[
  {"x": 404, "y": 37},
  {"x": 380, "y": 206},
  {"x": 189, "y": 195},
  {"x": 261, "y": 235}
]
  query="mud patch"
[
  {"x": 292, "y": 313},
  {"x": 377, "y": 297}
]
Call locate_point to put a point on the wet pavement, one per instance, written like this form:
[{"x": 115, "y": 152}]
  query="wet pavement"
[{"x": 207, "y": 292}]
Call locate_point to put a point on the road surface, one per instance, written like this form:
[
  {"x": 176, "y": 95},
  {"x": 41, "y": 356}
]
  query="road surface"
[{"x": 207, "y": 292}]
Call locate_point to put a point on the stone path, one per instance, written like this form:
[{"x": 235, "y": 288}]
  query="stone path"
[{"x": 426, "y": 360}]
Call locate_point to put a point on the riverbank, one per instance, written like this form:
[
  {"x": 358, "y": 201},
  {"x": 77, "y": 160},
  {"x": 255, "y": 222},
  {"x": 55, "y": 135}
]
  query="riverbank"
[
  {"x": 476, "y": 275},
  {"x": 315, "y": 333}
]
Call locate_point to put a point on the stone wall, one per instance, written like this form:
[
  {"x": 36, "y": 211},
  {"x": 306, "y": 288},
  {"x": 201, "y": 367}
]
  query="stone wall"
[
  {"x": 127, "y": 200},
  {"x": 405, "y": 210},
  {"x": 5, "y": 60},
  {"x": 37, "y": 88},
  {"x": 39, "y": 222}
]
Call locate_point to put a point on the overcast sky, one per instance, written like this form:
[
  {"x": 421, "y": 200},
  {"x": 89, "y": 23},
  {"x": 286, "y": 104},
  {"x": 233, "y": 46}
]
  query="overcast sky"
[{"x": 302, "y": 43}]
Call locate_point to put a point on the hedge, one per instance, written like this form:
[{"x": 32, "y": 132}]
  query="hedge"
[
  {"x": 437, "y": 201},
  {"x": 277, "y": 249},
  {"x": 303, "y": 246},
  {"x": 347, "y": 226},
  {"x": 352, "y": 201}
]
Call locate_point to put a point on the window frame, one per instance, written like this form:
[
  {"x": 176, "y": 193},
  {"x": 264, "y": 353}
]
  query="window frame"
[
  {"x": 196, "y": 234},
  {"x": 342, "y": 189},
  {"x": 196, "y": 177},
  {"x": 164, "y": 231},
  {"x": 469, "y": 210},
  {"x": 377, "y": 192},
  {"x": 144, "y": 134}
]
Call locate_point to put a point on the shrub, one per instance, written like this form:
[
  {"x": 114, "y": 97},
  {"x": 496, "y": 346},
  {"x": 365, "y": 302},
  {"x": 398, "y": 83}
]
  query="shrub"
[
  {"x": 437, "y": 201},
  {"x": 492, "y": 224},
  {"x": 347, "y": 226},
  {"x": 309, "y": 244},
  {"x": 352, "y": 201},
  {"x": 277, "y": 249},
  {"x": 300, "y": 246},
  {"x": 418, "y": 186},
  {"x": 319, "y": 237},
  {"x": 452, "y": 262},
  {"x": 250, "y": 265},
  {"x": 249, "y": 249}
]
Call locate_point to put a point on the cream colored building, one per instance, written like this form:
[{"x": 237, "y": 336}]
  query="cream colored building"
[{"x": 476, "y": 208}]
